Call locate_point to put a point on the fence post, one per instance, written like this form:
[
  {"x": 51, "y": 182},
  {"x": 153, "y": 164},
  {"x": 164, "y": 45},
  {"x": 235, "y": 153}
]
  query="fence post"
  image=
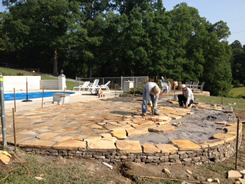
[
  {"x": 121, "y": 84},
  {"x": 3, "y": 113}
]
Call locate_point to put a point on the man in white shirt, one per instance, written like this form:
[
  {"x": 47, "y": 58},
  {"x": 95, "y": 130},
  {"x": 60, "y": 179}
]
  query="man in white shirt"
[
  {"x": 151, "y": 93},
  {"x": 187, "y": 98}
]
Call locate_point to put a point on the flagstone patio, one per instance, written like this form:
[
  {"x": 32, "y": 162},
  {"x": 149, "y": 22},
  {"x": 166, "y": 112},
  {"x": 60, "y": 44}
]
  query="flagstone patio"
[{"x": 115, "y": 126}]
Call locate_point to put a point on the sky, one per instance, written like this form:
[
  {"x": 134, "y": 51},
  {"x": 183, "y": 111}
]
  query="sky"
[{"x": 230, "y": 11}]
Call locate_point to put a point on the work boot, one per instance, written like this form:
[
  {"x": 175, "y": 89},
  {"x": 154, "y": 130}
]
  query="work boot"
[
  {"x": 157, "y": 114},
  {"x": 143, "y": 114}
]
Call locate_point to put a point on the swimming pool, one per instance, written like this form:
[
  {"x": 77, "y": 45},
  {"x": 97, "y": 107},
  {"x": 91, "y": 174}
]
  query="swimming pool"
[{"x": 31, "y": 95}]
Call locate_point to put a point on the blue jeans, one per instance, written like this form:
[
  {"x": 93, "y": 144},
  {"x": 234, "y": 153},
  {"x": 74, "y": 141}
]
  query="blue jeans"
[{"x": 144, "y": 104}]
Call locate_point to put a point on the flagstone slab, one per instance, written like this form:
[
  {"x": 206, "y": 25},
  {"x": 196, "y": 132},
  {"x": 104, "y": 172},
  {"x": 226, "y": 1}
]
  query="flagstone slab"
[
  {"x": 221, "y": 122},
  {"x": 70, "y": 145},
  {"x": 211, "y": 143},
  {"x": 62, "y": 138},
  {"x": 106, "y": 135},
  {"x": 119, "y": 133},
  {"x": 231, "y": 130},
  {"x": 19, "y": 138},
  {"x": 101, "y": 145},
  {"x": 4, "y": 159},
  {"x": 93, "y": 138},
  {"x": 80, "y": 136},
  {"x": 36, "y": 143},
  {"x": 185, "y": 145},
  {"x": 133, "y": 132},
  {"x": 127, "y": 146},
  {"x": 162, "y": 118},
  {"x": 173, "y": 116},
  {"x": 162, "y": 129},
  {"x": 167, "y": 148},
  {"x": 26, "y": 132},
  {"x": 225, "y": 137},
  {"x": 47, "y": 136},
  {"x": 150, "y": 148}
]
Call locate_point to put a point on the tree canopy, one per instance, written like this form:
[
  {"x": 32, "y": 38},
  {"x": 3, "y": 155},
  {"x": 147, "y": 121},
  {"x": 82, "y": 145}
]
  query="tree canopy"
[{"x": 100, "y": 38}]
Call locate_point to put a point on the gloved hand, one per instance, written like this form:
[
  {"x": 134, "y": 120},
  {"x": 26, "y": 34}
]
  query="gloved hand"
[{"x": 152, "y": 107}]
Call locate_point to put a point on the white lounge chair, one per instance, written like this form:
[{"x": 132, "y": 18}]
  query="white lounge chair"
[
  {"x": 95, "y": 87},
  {"x": 105, "y": 86},
  {"x": 165, "y": 84},
  {"x": 83, "y": 87}
]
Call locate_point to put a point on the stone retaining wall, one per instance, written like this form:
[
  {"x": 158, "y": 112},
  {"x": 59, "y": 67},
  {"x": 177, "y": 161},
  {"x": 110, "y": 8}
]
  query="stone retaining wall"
[{"x": 215, "y": 150}]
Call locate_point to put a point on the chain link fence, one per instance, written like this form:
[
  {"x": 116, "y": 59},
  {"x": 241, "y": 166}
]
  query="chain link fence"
[{"x": 123, "y": 83}]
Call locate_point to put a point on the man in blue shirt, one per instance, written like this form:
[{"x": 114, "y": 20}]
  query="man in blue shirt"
[{"x": 151, "y": 93}]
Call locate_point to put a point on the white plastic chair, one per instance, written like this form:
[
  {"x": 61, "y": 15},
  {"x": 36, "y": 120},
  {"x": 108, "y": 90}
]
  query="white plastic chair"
[
  {"x": 95, "y": 87},
  {"x": 105, "y": 86},
  {"x": 83, "y": 87}
]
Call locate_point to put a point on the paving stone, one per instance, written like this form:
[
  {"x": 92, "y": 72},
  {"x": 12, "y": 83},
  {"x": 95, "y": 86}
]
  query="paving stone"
[
  {"x": 233, "y": 174},
  {"x": 211, "y": 143},
  {"x": 143, "y": 122},
  {"x": 185, "y": 145},
  {"x": 93, "y": 138},
  {"x": 174, "y": 116},
  {"x": 46, "y": 136},
  {"x": 4, "y": 159},
  {"x": 242, "y": 181},
  {"x": 221, "y": 122},
  {"x": 162, "y": 129},
  {"x": 225, "y": 137},
  {"x": 36, "y": 143},
  {"x": 62, "y": 138},
  {"x": 150, "y": 148},
  {"x": 242, "y": 172},
  {"x": 101, "y": 145},
  {"x": 106, "y": 135},
  {"x": 127, "y": 146},
  {"x": 26, "y": 132},
  {"x": 119, "y": 133},
  {"x": 80, "y": 136},
  {"x": 167, "y": 148},
  {"x": 133, "y": 132},
  {"x": 114, "y": 139},
  {"x": 162, "y": 118},
  {"x": 70, "y": 145},
  {"x": 19, "y": 138}
]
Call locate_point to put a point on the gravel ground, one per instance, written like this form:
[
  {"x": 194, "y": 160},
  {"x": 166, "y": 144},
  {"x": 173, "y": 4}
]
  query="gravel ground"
[{"x": 196, "y": 127}]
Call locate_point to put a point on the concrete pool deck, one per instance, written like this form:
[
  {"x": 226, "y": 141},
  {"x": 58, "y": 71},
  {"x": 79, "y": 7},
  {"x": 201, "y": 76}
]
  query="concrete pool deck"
[{"x": 92, "y": 127}]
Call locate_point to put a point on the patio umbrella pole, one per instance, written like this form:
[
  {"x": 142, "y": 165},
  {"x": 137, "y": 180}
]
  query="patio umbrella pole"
[{"x": 26, "y": 100}]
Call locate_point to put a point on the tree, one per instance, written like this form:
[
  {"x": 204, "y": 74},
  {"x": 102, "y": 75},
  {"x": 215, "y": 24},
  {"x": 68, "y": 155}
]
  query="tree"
[{"x": 238, "y": 63}]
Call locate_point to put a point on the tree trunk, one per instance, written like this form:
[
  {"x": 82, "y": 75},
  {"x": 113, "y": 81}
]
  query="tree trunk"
[{"x": 55, "y": 67}]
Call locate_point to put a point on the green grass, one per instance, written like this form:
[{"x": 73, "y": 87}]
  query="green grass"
[
  {"x": 237, "y": 92},
  {"x": 13, "y": 72},
  {"x": 70, "y": 84},
  {"x": 239, "y": 103}
]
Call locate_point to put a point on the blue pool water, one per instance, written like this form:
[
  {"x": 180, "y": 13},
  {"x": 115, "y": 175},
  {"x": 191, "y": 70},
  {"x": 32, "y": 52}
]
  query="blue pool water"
[{"x": 31, "y": 95}]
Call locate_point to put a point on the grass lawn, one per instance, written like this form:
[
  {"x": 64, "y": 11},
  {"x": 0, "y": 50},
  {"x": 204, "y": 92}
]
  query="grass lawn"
[
  {"x": 237, "y": 104},
  {"x": 237, "y": 92}
]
